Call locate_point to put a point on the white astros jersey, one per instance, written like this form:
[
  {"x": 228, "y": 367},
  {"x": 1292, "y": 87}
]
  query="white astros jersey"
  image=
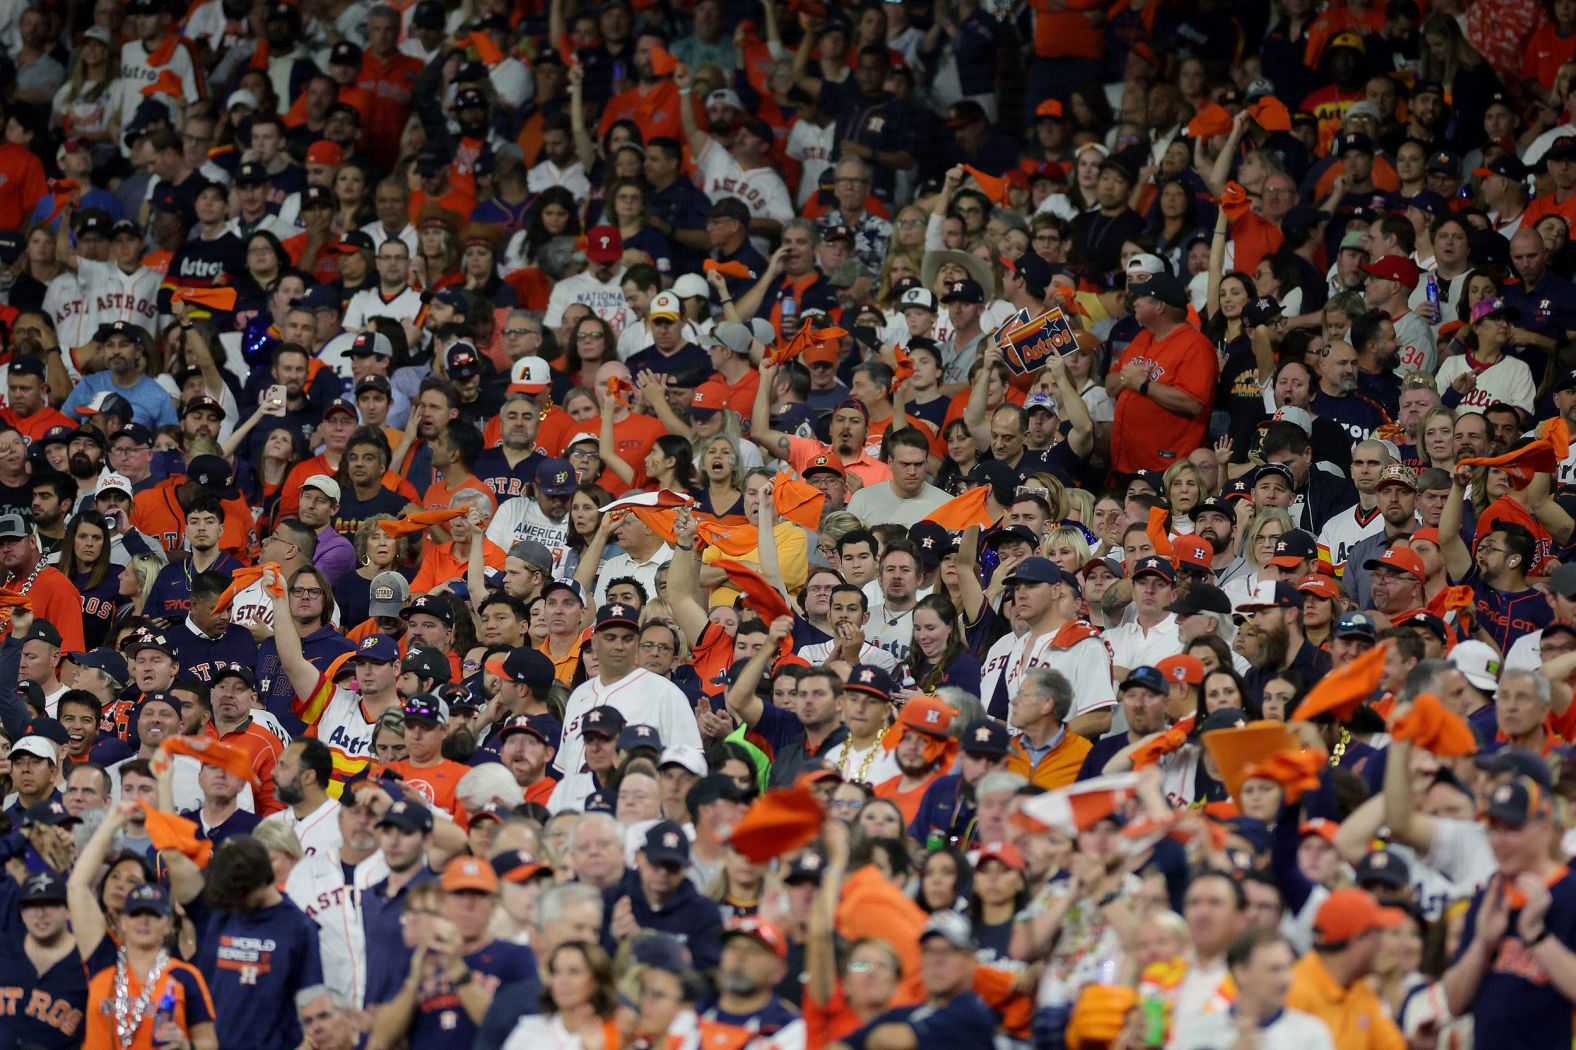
[
  {"x": 761, "y": 189},
  {"x": 110, "y": 294}
]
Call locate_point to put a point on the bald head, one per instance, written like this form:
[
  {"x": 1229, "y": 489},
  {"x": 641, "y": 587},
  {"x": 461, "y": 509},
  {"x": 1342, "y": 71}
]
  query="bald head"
[
  {"x": 1528, "y": 256},
  {"x": 1338, "y": 368}
]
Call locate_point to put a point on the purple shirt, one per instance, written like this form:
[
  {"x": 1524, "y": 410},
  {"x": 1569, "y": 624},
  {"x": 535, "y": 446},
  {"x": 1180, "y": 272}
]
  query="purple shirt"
[{"x": 336, "y": 556}]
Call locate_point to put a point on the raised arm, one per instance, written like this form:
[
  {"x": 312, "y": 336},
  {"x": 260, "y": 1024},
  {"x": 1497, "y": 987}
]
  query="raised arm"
[
  {"x": 1409, "y": 826},
  {"x": 1073, "y": 409},
  {"x": 743, "y": 702},
  {"x": 976, "y": 414},
  {"x": 969, "y": 574},
  {"x": 1458, "y": 559},
  {"x": 653, "y": 389},
  {"x": 820, "y": 957},
  {"x": 683, "y": 583},
  {"x": 696, "y": 138},
  {"x": 608, "y": 445},
  {"x": 585, "y": 148},
  {"x": 88, "y": 924},
  {"x": 303, "y": 676},
  {"x": 1217, "y": 264},
  {"x": 591, "y": 557},
  {"x": 750, "y": 302},
  {"x": 1221, "y": 169},
  {"x": 772, "y": 442}
]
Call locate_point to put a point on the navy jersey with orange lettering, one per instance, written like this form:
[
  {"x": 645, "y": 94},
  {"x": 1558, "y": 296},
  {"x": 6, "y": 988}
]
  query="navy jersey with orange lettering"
[
  {"x": 1507, "y": 615},
  {"x": 1516, "y": 1000},
  {"x": 506, "y": 482},
  {"x": 41, "y": 1010},
  {"x": 254, "y": 962}
]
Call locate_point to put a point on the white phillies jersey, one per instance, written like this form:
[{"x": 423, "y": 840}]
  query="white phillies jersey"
[
  {"x": 522, "y": 518},
  {"x": 643, "y": 698},
  {"x": 761, "y": 189},
  {"x": 111, "y": 294},
  {"x": 1344, "y": 531}
]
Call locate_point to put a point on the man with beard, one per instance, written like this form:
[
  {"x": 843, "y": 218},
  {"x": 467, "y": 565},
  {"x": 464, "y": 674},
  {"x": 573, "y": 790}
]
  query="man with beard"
[
  {"x": 429, "y": 621},
  {"x": 848, "y": 431},
  {"x": 125, "y": 352},
  {"x": 947, "y": 808},
  {"x": 1395, "y": 495},
  {"x": 157, "y": 718},
  {"x": 1048, "y": 600},
  {"x": 435, "y": 405},
  {"x": 42, "y": 969},
  {"x": 85, "y": 460},
  {"x": 525, "y": 681},
  {"x": 1508, "y": 607},
  {"x": 542, "y": 514},
  {"x": 1272, "y": 638},
  {"x": 754, "y": 961},
  {"x": 404, "y": 834},
  {"x": 171, "y": 595},
  {"x": 1337, "y": 397},
  {"x": 526, "y": 747},
  {"x": 302, "y": 774},
  {"x": 510, "y": 467},
  {"x": 53, "y": 598},
  {"x": 923, "y": 752},
  {"x": 310, "y": 608}
]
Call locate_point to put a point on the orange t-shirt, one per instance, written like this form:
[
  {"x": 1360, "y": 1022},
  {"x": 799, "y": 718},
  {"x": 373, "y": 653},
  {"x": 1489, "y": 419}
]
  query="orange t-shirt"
[
  {"x": 564, "y": 669},
  {"x": 439, "y": 565},
  {"x": 193, "y": 1005},
  {"x": 907, "y": 801},
  {"x": 741, "y": 395},
  {"x": 655, "y": 112},
  {"x": 33, "y": 426},
  {"x": 55, "y": 600},
  {"x": 439, "y": 494},
  {"x": 157, "y": 513},
  {"x": 828, "y": 1023},
  {"x": 435, "y": 784},
  {"x": 1145, "y": 435},
  {"x": 1255, "y": 237},
  {"x": 265, "y": 749}
]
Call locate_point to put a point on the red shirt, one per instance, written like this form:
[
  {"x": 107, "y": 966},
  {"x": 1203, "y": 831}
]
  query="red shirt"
[
  {"x": 435, "y": 783},
  {"x": 1145, "y": 435},
  {"x": 22, "y": 185},
  {"x": 55, "y": 601},
  {"x": 33, "y": 426},
  {"x": 391, "y": 83}
]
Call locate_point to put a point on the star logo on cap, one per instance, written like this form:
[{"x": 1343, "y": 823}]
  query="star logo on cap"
[
  {"x": 867, "y": 675},
  {"x": 670, "y": 840},
  {"x": 398, "y": 807},
  {"x": 957, "y": 286},
  {"x": 982, "y": 733},
  {"x": 1502, "y": 793},
  {"x": 616, "y": 610},
  {"x": 810, "y": 861}
]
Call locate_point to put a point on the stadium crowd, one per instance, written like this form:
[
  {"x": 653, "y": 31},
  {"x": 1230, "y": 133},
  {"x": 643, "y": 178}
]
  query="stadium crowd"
[{"x": 721, "y": 524}]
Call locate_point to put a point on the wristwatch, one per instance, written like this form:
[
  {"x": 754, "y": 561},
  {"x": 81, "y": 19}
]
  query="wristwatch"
[{"x": 1143, "y": 388}]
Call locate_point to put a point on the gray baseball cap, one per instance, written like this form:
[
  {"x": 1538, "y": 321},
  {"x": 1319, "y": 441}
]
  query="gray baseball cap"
[{"x": 389, "y": 593}]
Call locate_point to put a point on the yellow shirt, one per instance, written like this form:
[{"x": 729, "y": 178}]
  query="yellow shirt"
[
  {"x": 564, "y": 669},
  {"x": 793, "y": 554},
  {"x": 1356, "y": 1018}
]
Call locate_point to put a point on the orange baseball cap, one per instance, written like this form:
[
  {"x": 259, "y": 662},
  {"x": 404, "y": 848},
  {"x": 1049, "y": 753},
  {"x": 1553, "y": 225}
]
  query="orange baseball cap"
[
  {"x": 1194, "y": 551},
  {"x": 1182, "y": 668},
  {"x": 822, "y": 354},
  {"x": 758, "y": 930},
  {"x": 1325, "y": 829},
  {"x": 928, "y": 715},
  {"x": 1427, "y": 536},
  {"x": 469, "y": 874},
  {"x": 1005, "y": 852},
  {"x": 1319, "y": 586},
  {"x": 1051, "y": 107},
  {"x": 1351, "y": 912},
  {"x": 1401, "y": 559}
]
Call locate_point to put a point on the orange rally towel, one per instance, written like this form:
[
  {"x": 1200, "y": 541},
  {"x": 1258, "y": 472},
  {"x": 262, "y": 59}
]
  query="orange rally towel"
[
  {"x": 420, "y": 520},
  {"x": 729, "y": 269},
  {"x": 221, "y": 299},
  {"x": 1435, "y": 728},
  {"x": 797, "y": 501},
  {"x": 990, "y": 185},
  {"x": 1296, "y": 772},
  {"x": 243, "y": 578},
  {"x": 778, "y": 822},
  {"x": 168, "y": 831},
  {"x": 960, "y": 512},
  {"x": 1342, "y": 691},
  {"x": 760, "y": 596},
  {"x": 216, "y": 753}
]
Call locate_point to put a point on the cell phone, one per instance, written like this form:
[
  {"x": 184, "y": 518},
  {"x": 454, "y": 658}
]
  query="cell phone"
[{"x": 276, "y": 393}]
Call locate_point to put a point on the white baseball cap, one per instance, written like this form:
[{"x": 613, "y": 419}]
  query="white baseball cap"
[
  {"x": 1477, "y": 661},
  {"x": 923, "y": 298},
  {"x": 324, "y": 484},
  {"x": 724, "y": 97},
  {"x": 112, "y": 482},
  {"x": 691, "y": 286},
  {"x": 530, "y": 375},
  {"x": 38, "y": 747},
  {"x": 1293, "y": 414},
  {"x": 1144, "y": 262},
  {"x": 686, "y": 755}
]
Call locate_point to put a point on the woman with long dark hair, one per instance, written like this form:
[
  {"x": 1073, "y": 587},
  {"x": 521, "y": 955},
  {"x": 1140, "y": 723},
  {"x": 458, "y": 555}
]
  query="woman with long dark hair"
[
  {"x": 939, "y": 656},
  {"x": 266, "y": 261},
  {"x": 553, "y": 215},
  {"x": 999, "y": 893},
  {"x": 97, "y": 910},
  {"x": 578, "y": 1004},
  {"x": 963, "y": 455},
  {"x": 263, "y": 482},
  {"x": 585, "y": 514},
  {"x": 84, "y": 558}
]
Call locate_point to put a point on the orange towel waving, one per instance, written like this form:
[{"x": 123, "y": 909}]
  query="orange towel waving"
[
  {"x": 243, "y": 578},
  {"x": 221, "y": 299},
  {"x": 420, "y": 520},
  {"x": 1271, "y": 114},
  {"x": 735, "y": 541},
  {"x": 873, "y": 907},
  {"x": 729, "y": 269},
  {"x": 961, "y": 512},
  {"x": 778, "y": 822},
  {"x": 216, "y": 753},
  {"x": 620, "y": 390},
  {"x": 1297, "y": 772},
  {"x": 803, "y": 340},
  {"x": 1342, "y": 691},
  {"x": 168, "y": 83},
  {"x": 663, "y": 64},
  {"x": 486, "y": 51},
  {"x": 168, "y": 831},
  {"x": 1234, "y": 201},
  {"x": 990, "y": 185},
  {"x": 9, "y": 599},
  {"x": 797, "y": 501},
  {"x": 1435, "y": 728},
  {"x": 1523, "y": 464},
  {"x": 1151, "y": 751},
  {"x": 760, "y": 596},
  {"x": 903, "y": 370},
  {"x": 1208, "y": 122},
  {"x": 1159, "y": 534}
]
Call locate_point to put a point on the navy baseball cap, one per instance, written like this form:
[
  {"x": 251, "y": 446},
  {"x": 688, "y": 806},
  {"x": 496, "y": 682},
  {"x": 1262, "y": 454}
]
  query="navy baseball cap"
[
  {"x": 1042, "y": 570},
  {"x": 1154, "y": 565},
  {"x": 555, "y": 477},
  {"x": 869, "y": 679},
  {"x": 1147, "y": 677},
  {"x": 985, "y": 737},
  {"x": 666, "y": 843},
  {"x": 632, "y": 737},
  {"x": 618, "y": 614},
  {"x": 603, "y": 721},
  {"x": 379, "y": 648}
]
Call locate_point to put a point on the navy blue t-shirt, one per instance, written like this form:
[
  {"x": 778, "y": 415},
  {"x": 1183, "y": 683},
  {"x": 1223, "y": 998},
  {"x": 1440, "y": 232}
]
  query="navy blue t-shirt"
[
  {"x": 171, "y": 595},
  {"x": 1507, "y": 615},
  {"x": 254, "y": 963},
  {"x": 687, "y": 358},
  {"x": 45, "y": 1010},
  {"x": 506, "y": 482},
  {"x": 964, "y": 1023},
  {"x": 388, "y": 966},
  {"x": 1516, "y": 1000},
  {"x": 768, "y": 1020},
  {"x": 441, "y": 1021}
]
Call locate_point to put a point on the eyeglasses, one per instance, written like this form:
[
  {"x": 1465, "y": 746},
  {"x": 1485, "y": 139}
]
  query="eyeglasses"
[
  {"x": 911, "y": 222},
  {"x": 579, "y": 453},
  {"x": 521, "y": 331},
  {"x": 306, "y": 592},
  {"x": 867, "y": 967},
  {"x": 655, "y": 647}
]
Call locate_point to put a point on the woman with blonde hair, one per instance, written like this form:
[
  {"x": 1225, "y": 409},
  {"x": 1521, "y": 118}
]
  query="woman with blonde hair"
[
  {"x": 136, "y": 583},
  {"x": 1079, "y": 506},
  {"x": 720, "y": 469},
  {"x": 1067, "y": 547},
  {"x": 1258, "y": 547},
  {"x": 1185, "y": 487},
  {"x": 1436, "y": 438}
]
